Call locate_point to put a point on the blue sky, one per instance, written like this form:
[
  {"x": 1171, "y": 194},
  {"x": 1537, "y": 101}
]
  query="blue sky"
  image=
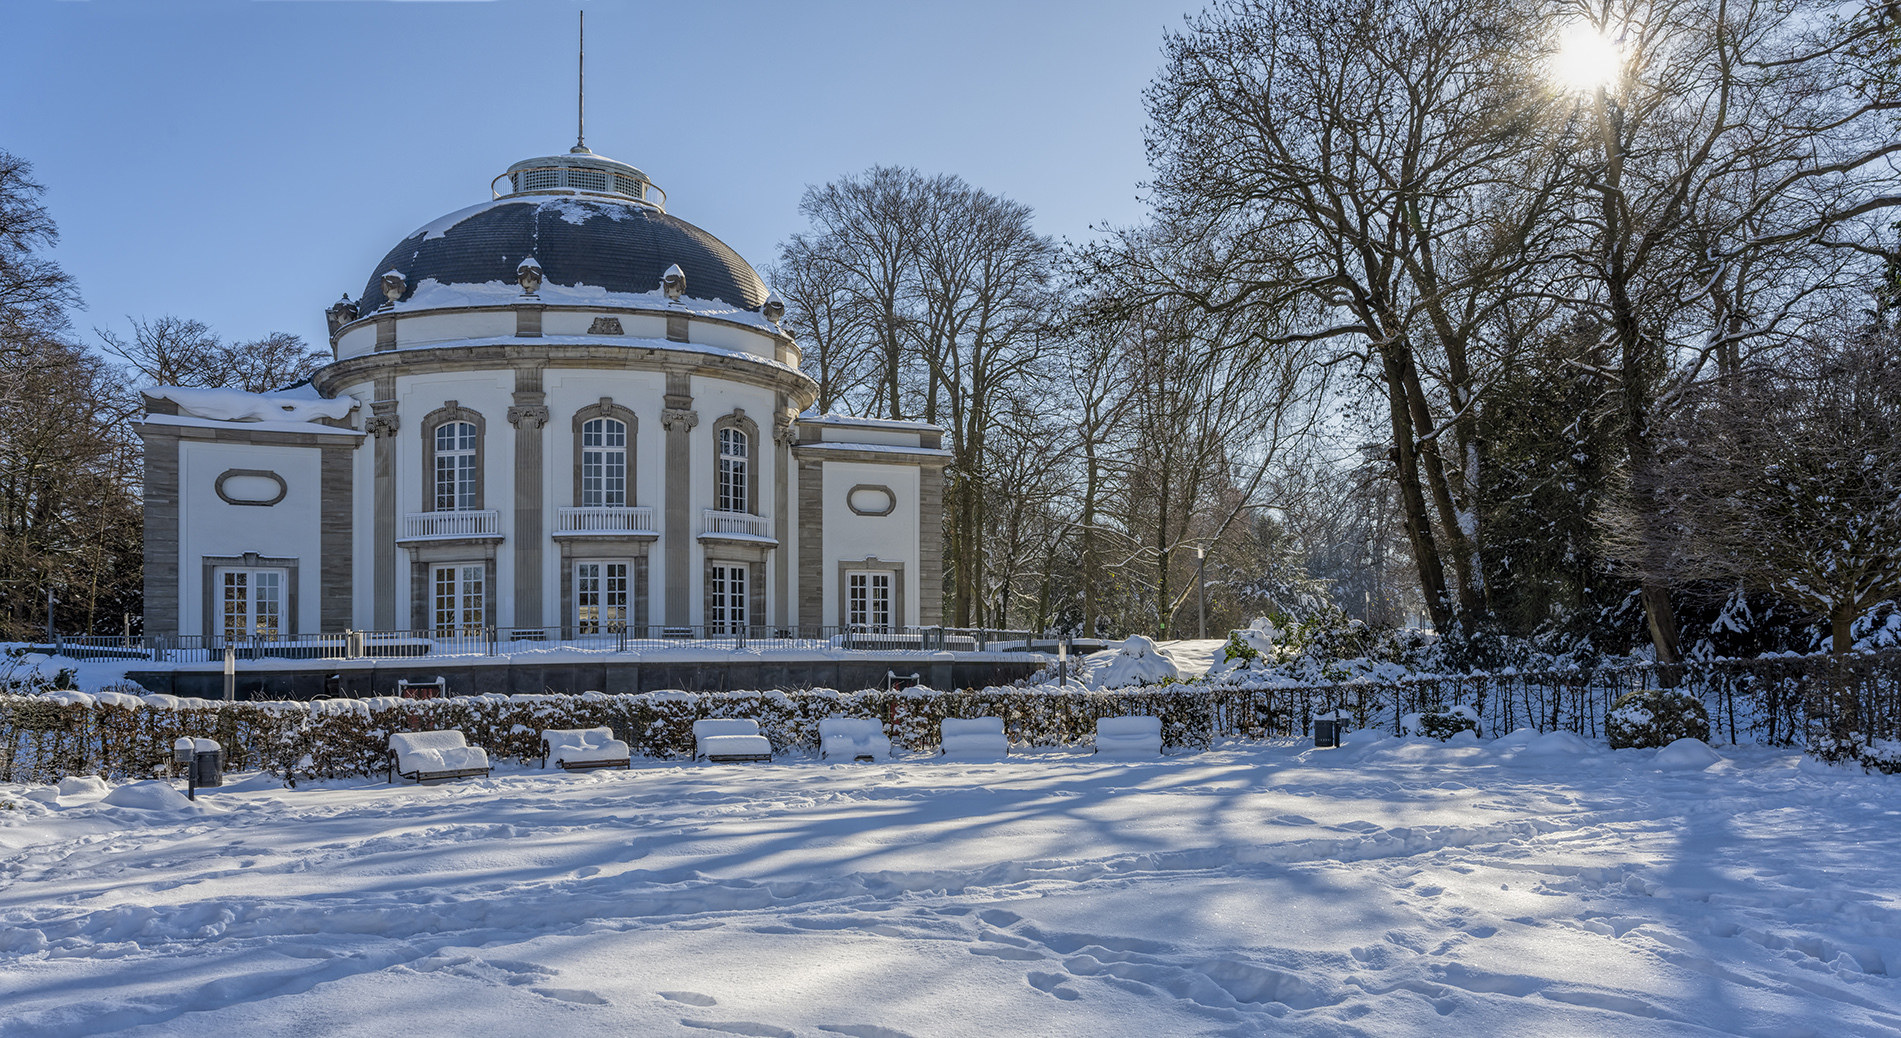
[{"x": 247, "y": 163}]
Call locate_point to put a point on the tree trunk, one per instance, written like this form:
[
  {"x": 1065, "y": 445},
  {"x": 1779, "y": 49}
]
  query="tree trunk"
[{"x": 1432, "y": 577}]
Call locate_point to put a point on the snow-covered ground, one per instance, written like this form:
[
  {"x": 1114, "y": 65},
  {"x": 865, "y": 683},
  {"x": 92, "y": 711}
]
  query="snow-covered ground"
[{"x": 1531, "y": 885}]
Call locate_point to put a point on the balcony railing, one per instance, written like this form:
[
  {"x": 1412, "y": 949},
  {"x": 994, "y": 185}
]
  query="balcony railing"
[
  {"x": 436, "y": 526},
  {"x": 611, "y": 519},
  {"x": 715, "y": 523}
]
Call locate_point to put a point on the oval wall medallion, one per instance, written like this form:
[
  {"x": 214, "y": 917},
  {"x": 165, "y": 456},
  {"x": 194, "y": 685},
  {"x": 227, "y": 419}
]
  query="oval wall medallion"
[
  {"x": 250, "y": 487},
  {"x": 871, "y": 499}
]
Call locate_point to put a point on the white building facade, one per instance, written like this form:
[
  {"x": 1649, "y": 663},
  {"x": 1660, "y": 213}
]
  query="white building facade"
[{"x": 562, "y": 412}]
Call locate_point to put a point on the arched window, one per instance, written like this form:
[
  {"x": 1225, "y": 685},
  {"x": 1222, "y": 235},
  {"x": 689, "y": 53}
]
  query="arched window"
[
  {"x": 733, "y": 474},
  {"x": 456, "y": 467},
  {"x": 603, "y": 463}
]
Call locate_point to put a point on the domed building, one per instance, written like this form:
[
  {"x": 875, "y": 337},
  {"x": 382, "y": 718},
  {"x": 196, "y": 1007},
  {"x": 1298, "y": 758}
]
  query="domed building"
[{"x": 558, "y": 413}]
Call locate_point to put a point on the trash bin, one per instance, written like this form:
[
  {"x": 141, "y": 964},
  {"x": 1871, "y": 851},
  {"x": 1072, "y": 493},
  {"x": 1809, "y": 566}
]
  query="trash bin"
[
  {"x": 209, "y": 763},
  {"x": 1328, "y": 728}
]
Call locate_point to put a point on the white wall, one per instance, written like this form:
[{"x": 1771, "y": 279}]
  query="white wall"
[
  {"x": 849, "y": 537},
  {"x": 427, "y": 329},
  {"x": 209, "y": 526}
]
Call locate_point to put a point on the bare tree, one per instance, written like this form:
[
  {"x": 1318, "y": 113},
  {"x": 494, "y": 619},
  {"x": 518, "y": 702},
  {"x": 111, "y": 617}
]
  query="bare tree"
[
  {"x": 69, "y": 515},
  {"x": 822, "y": 312},
  {"x": 175, "y": 351},
  {"x": 34, "y": 292},
  {"x": 926, "y": 297},
  {"x": 1380, "y": 169}
]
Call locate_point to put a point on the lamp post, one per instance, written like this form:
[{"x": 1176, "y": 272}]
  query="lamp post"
[{"x": 1201, "y": 586}]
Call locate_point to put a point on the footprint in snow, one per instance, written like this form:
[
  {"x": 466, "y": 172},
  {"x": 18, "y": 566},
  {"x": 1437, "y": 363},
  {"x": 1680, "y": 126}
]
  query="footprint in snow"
[
  {"x": 1004, "y": 951},
  {"x": 691, "y": 998},
  {"x": 575, "y": 995},
  {"x": 757, "y": 1030},
  {"x": 1052, "y": 984},
  {"x": 863, "y": 1031}
]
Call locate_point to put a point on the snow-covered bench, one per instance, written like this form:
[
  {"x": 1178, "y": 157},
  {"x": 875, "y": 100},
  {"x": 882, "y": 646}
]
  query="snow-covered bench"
[
  {"x": 1129, "y": 735},
  {"x": 428, "y": 756},
  {"x": 852, "y": 738},
  {"x": 580, "y": 749},
  {"x": 722, "y": 739},
  {"x": 977, "y": 737}
]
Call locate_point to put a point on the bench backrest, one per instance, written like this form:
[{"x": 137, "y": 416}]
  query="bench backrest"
[
  {"x": 578, "y": 736},
  {"x": 849, "y": 727},
  {"x": 725, "y": 726},
  {"x": 409, "y": 742},
  {"x": 973, "y": 726},
  {"x": 1129, "y": 726}
]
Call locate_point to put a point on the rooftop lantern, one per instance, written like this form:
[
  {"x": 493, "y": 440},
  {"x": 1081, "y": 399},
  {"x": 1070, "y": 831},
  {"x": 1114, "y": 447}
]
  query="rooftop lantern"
[{"x": 580, "y": 173}]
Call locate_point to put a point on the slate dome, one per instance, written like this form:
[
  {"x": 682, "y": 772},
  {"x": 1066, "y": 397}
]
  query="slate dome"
[{"x": 579, "y": 239}]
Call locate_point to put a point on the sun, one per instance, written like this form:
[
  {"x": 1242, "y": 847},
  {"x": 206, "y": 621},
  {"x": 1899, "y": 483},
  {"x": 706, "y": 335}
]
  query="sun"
[{"x": 1585, "y": 60}]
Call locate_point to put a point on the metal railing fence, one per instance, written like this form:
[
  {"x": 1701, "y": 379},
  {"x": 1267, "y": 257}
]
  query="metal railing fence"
[{"x": 504, "y": 641}]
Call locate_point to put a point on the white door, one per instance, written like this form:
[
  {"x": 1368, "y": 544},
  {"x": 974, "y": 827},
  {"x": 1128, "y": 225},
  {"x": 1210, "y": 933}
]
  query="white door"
[
  {"x": 460, "y": 599},
  {"x": 251, "y": 603},
  {"x": 600, "y": 596}
]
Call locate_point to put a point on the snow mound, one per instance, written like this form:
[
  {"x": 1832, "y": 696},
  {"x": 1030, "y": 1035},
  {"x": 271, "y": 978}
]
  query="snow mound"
[
  {"x": 150, "y": 795},
  {"x": 83, "y": 786},
  {"x": 1133, "y": 661},
  {"x": 1555, "y": 744},
  {"x": 1687, "y": 755}
]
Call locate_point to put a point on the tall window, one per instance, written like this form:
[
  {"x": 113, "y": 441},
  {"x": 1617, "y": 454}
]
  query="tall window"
[
  {"x": 732, "y": 471},
  {"x": 251, "y": 603},
  {"x": 455, "y": 467},
  {"x": 600, "y": 596},
  {"x": 603, "y": 463},
  {"x": 868, "y": 600},
  {"x": 460, "y": 599},
  {"x": 727, "y": 600}
]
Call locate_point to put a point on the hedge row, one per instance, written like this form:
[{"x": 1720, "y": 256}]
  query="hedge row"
[
  {"x": 1838, "y": 709},
  {"x": 43, "y": 738}
]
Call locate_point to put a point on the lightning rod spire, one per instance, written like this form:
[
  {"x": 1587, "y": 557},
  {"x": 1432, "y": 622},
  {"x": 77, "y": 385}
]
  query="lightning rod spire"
[{"x": 580, "y": 133}]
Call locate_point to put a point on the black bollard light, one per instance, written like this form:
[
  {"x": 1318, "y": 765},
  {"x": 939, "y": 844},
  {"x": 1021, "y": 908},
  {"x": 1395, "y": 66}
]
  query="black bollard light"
[{"x": 185, "y": 751}]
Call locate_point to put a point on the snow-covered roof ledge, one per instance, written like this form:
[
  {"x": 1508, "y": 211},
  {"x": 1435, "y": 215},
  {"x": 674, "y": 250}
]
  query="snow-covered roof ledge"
[{"x": 235, "y": 405}]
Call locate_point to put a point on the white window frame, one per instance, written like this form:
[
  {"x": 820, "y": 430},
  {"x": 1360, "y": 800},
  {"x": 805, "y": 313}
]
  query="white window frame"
[
  {"x": 455, "y": 476},
  {"x": 869, "y": 600},
  {"x": 463, "y": 609},
  {"x": 604, "y": 463},
  {"x": 734, "y": 464},
  {"x": 259, "y": 605},
  {"x": 603, "y": 595}
]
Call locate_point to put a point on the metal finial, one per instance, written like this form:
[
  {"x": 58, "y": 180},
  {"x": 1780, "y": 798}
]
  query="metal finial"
[{"x": 580, "y": 132}]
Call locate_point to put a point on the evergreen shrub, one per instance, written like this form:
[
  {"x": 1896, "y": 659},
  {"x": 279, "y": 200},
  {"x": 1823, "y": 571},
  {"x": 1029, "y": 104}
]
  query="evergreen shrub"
[
  {"x": 1652, "y": 718},
  {"x": 1443, "y": 724}
]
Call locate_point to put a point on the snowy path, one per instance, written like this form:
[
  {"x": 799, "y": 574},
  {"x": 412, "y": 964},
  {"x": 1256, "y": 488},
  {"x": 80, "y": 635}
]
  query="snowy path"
[{"x": 1396, "y": 887}]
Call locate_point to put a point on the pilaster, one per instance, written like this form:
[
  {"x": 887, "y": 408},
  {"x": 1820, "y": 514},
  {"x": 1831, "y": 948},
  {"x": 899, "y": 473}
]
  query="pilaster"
[
  {"x": 382, "y": 424},
  {"x": 678, "y": 418},
  {"x": 528, "y": 415}
]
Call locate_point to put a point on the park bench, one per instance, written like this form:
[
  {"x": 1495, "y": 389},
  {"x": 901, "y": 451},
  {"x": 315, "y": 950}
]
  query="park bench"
[
  {"x": 583, "y": 749},
  {"x": 976, "y": 737},
  {"x": 853, "y": 738},
  {"x": 725, "y": 739},
  {"x": 1129, "y": 736},
  {"x": 433, "y": 756}
]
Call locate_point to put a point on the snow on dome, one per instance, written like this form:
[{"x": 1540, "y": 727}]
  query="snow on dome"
[
  {"x": 615, "y": 244},
  {"x": 236, "y": 405}
]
